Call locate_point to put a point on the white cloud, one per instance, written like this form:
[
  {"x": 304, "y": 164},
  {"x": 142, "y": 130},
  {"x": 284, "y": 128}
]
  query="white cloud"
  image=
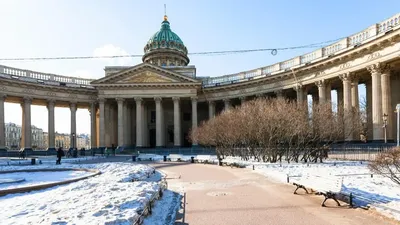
[{"x": 111, "y": 50}]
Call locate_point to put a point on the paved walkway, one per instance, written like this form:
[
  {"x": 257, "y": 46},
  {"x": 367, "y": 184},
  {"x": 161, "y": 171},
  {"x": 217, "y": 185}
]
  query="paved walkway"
[{"x": 223, "y": 195}]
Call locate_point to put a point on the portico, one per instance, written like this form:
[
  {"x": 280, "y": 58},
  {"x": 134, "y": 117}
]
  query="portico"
[{"x": 160, "y": 99}]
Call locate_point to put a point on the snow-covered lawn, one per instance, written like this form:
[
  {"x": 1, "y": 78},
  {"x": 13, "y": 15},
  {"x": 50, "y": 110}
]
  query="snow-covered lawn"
[
  {"x": 36, "y": 178},
  {"x": 384, "y": 193},
  {"x": 108, "y": 198}
]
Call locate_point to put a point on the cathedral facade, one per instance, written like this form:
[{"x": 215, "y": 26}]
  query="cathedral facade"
[{"x": 157, "y": 103}]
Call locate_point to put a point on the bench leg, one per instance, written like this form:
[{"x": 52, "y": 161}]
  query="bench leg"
[
  {"x": 330, "y": 196},
  {"x": 298, "y": 187}
]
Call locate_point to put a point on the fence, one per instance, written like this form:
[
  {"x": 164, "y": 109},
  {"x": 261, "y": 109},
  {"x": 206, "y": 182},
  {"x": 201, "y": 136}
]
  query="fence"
[
  {"x": 182, "y": 151},
  {"x": 359, "y": 152}
]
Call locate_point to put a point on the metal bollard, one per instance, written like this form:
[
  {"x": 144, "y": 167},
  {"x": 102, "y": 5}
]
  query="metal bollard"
[
  {"x": 134, "y": 158},
  {"x": 165, "y": 158},
  {"x": 351, "y": 199},
  {"x": 33, "y": 161},
  {"x": 192, "y": 159},
  {"x": 253, "y": 167},
  {"x": 287, "y": 178}
]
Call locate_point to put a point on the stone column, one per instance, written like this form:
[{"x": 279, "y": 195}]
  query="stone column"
[
  {"x": 120, "y": 119},
  {"x": 347, "y": 106},
  {"x": 211, "y": 109},
  {"x": 355, "y": 104},
  {"x": 227, "y": 104},
  {"x": 73, "y": 134},
  {"x": 27, "y": 128},
  {"x": 328, "y": 88},
  {"x": 159, "y": 124},
  {"x": 102, "y": 125},
  {"x": 299, "y": 94},
  {"x": 321, "y": 91},
  {"x": 93, "y": 125},
  {"x": 387, "y": 101},
  {"x": 376, "y": 72},
  {"x": 139, "y": 122},
  {"x": 2, "y": 126},
  {"x": 126, "y": 124},
  {"x": 177, "y": 122},
  {"x": 368, "y": 89},
  {"x": 194, "y": 117},
  {"x": 51, "y": 130}
]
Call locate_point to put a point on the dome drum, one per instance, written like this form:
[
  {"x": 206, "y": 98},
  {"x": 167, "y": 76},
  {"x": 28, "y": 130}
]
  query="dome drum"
[{"x": 166, "y": 57}]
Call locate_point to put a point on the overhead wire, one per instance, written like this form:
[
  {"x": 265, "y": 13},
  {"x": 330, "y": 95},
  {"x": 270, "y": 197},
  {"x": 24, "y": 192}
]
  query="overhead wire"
[{"x": 274, "y": 51}]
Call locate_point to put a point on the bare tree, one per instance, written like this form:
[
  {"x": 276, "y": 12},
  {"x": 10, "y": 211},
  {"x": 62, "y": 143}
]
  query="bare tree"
[{"x": 387, "y": 164}]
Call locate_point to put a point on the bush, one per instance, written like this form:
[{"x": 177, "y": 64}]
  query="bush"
[{"x": 387, "y": 164}]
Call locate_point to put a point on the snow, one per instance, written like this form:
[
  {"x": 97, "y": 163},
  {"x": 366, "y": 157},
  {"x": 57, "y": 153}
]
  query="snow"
[
  {"x": 377, "y": 191},
  {"x": 164, "y": 211},
  {"x": 109, "y": 198},
  {"x": 36, "y": 178}
]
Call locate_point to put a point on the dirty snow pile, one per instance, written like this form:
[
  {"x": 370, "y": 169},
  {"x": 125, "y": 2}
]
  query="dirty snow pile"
[{"x": 109, "y": 198}]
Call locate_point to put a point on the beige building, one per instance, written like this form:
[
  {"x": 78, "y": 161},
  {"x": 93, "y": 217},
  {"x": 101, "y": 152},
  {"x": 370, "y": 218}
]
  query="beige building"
[
  {"x": 13, "y": 136},
  {"x": 157, "y": 103}
]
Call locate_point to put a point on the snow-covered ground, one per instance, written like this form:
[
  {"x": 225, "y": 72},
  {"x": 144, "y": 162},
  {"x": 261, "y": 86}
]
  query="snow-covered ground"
[
  {"x": 109, "y": 198},
  {"x": 36, "y": 178},
  {"x": 382, "y": 192}
]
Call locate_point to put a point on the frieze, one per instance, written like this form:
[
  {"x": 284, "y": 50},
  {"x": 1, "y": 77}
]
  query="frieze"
[
  {"x": 50, "y": 93},
  {"x": 373, "y": 56}
]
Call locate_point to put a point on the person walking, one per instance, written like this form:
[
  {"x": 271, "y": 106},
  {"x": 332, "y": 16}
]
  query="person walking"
[{"x": 60, "y": 153}]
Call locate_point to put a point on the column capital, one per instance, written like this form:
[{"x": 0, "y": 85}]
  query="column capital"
[
  {"x": 120, "y": 100},
  {"x": 378, "y": 68},
  {"x": 175, "y": 99},
  {"x": 138, "y": 100},
  {"x": 27, "y": 99},
  {"x": 158, "y": 99},
  {"x": 3, "y": 96},
  {"x": 320, "y": 83},
  {"x": 298, "y": 87},
  {"x": 211, "y": 102},
  {"x": 101, "y": 100},
  {"x": 51, "y": 103},
  {"x": 72, "y": 104},
  {"x": 345, "y": 76},
  {"x": 226, "y": 100},
  {"x": 194, "y": 99},
  {"x": 242, "y": 98}
]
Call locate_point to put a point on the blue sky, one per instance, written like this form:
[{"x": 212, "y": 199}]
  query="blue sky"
[{"x": 48, "y": 28}]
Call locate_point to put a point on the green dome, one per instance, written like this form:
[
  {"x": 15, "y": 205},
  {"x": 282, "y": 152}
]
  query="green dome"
[{"x": 165, "y": 39}]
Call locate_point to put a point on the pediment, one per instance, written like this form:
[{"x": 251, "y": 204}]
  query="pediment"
[
  {"x": 147, "y": 77},
  {"x": 145, "y": 74}
]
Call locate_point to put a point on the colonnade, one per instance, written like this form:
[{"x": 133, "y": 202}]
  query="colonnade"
[
  {"x": 26, "y": 130},
  {"x": 141, "y": 119}
]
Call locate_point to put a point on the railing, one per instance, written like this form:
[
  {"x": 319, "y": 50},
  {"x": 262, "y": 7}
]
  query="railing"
[
  {"x": 347, "y": 43},
  {"x": 43, "y": 78},
  {"x": 362, "y": 37}
]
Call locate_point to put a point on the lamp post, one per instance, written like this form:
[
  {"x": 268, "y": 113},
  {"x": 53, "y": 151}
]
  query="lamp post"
[
  {"x": 398, "y": 123},
  {"x": 385, "y": 125}
]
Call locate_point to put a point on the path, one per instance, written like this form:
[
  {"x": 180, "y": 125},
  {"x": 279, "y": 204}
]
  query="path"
[{"x": 223, "y": 195}]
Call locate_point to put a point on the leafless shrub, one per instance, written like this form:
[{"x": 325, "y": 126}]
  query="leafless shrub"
[
  {"x": 387, "y": 164},
  {"x": 276, "y": 129}
]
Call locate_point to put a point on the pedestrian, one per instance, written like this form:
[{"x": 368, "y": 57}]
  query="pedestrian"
[{"x": 60, "y": 153}]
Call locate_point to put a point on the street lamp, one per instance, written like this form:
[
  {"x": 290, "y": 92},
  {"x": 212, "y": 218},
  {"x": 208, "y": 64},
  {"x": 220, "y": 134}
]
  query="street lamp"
[
  {"x": 385, "y": 125},
  {"x": 398, "y": 123}
]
